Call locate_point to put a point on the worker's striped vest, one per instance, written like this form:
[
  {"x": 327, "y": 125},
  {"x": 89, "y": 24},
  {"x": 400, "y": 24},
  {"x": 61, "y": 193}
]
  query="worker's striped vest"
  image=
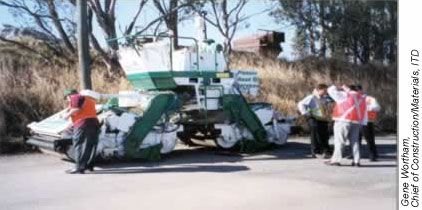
[
  {"x": 353, "y": 109},
  {"x": 320, "y": 112}
]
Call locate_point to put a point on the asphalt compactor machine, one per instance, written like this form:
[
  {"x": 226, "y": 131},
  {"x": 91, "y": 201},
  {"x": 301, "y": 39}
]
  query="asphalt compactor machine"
[{"x": 185, "y": 94}]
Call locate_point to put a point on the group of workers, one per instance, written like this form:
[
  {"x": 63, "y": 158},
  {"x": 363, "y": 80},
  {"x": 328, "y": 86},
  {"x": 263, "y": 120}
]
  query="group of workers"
[{"x": 354, "y": 115}]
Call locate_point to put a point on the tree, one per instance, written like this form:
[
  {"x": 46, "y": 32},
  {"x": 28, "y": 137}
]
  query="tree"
[
  {"x": 43, "y": 17},
  {"x": 170, "y": 16},
  {"x": 106, "y": 19},
  {"x": 322, "y": 24},
  {"x": 301, "y": 14},
  {"x": 360, "y": 31},
  {"x": 225, "y": 19},
  {"x": 57, "y": 23},
  {"x": 392, "y": 31},
  {"x": 55, "y": 19}
]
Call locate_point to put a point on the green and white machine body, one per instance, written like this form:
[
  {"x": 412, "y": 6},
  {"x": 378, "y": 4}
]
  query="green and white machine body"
[{"x": 185, "y": 94}]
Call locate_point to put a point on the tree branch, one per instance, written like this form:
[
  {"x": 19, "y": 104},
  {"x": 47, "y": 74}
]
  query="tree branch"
[
  {"x": 217, "y": 16},
  {"x": 55, "y": 18},
  {"x": 161, "y": 17},
  {"x": 132, "y": 23},
  {"x": 25, "y": 8},
  {"x": 112, "y": 7},
  {"x": 157, "y": 27},
  {"x": 94, "y": 41},
  {"x": 235, "y": 8}
]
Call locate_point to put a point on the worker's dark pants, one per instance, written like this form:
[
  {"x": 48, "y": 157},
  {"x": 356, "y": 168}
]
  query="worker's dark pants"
[
  {"x": 319, "y": 136},
  {"x": 85, "y": 140},
  {"x": 368, "y": 133}
]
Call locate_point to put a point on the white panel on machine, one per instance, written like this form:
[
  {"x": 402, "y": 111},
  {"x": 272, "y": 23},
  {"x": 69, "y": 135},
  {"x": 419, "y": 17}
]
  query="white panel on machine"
[
  {"x": 148, "y": 58},
  {"x": 133, "y": 99},
  {"x": 209, "y": 60}
]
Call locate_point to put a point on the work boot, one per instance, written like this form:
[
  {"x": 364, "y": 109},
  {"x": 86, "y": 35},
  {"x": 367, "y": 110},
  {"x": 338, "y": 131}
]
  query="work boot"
[
  {"x": 329, "y": 163},
  {"x": 355, "y": 164},
  {"x": 75, "y": 171},
  {"x": 373, "y": 158},
  {"x": 326, "y": 155},
  {"x": 90, "y": 168}
]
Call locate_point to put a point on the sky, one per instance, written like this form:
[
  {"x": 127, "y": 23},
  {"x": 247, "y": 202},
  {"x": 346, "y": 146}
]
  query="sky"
[{"x": 125, "y": 10}]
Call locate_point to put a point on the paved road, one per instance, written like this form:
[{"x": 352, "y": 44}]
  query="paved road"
[{"x": 198, "y": 178}]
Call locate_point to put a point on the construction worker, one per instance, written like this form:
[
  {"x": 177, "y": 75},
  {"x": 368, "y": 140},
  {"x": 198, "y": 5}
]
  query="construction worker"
[
  {"x": 314, "y": 107},
  {"x": 82, "y": 111},
  {"x": 367, "y": 131},
  {"x": 348, "y": 115}
]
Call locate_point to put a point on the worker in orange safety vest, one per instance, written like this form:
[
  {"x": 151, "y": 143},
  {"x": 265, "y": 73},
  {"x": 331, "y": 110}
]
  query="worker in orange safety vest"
[
  {"x": 82, "y": 112},
  {"x": 349, "y": 115}
]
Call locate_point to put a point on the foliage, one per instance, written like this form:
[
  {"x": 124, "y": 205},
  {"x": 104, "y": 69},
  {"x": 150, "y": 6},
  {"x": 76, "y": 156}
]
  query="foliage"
[{"x": 359, "y": 31}]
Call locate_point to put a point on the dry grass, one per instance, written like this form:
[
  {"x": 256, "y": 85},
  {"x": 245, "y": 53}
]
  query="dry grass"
[
  {"x": 285, "y": 84},
  {"x": 32, "y": 89}
]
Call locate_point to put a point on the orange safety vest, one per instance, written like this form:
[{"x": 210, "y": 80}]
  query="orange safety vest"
[
  {"x": 353, "y": 109},
  {"x": 86, "y": 111},
  {"x": 372, "y": 114}
]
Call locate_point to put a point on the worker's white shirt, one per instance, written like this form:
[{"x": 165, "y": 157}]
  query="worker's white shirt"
[
  {"x": 372, "y": 104},
  {"x": 308, "y": 103},
  {"x": 337, "y": 95}
]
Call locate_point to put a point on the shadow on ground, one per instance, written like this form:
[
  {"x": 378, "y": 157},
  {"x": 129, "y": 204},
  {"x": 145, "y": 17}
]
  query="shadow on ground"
[
  {"x": 196, "y": 159},
  {"x": 138, "y": 168}
]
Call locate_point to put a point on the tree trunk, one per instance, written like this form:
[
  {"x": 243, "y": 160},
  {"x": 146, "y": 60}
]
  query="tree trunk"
[
  {"x": 225, "y": 26},
  {"x": 83, "y": 45},
  {"x": 392, "y": 9},
  {"x": 56, "y": 21},
  {"x": 323, "y": 40},
  {"x": 312, "y": 40},
  {"x": 172, "y": 23},
  {"x": 106, "y": 20}
]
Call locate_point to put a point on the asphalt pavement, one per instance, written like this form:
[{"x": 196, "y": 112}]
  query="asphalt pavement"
[{"x": 204, "y": 178}]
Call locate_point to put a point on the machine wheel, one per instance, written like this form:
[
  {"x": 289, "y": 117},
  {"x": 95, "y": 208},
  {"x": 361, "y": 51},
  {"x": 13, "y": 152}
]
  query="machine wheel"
[
  {"x": 223, "y": 143},
  {"x": 168, "y": 145}
]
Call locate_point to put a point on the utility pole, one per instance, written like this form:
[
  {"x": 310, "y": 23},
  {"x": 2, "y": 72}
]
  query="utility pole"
[{"x": 83, "y": 45}]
